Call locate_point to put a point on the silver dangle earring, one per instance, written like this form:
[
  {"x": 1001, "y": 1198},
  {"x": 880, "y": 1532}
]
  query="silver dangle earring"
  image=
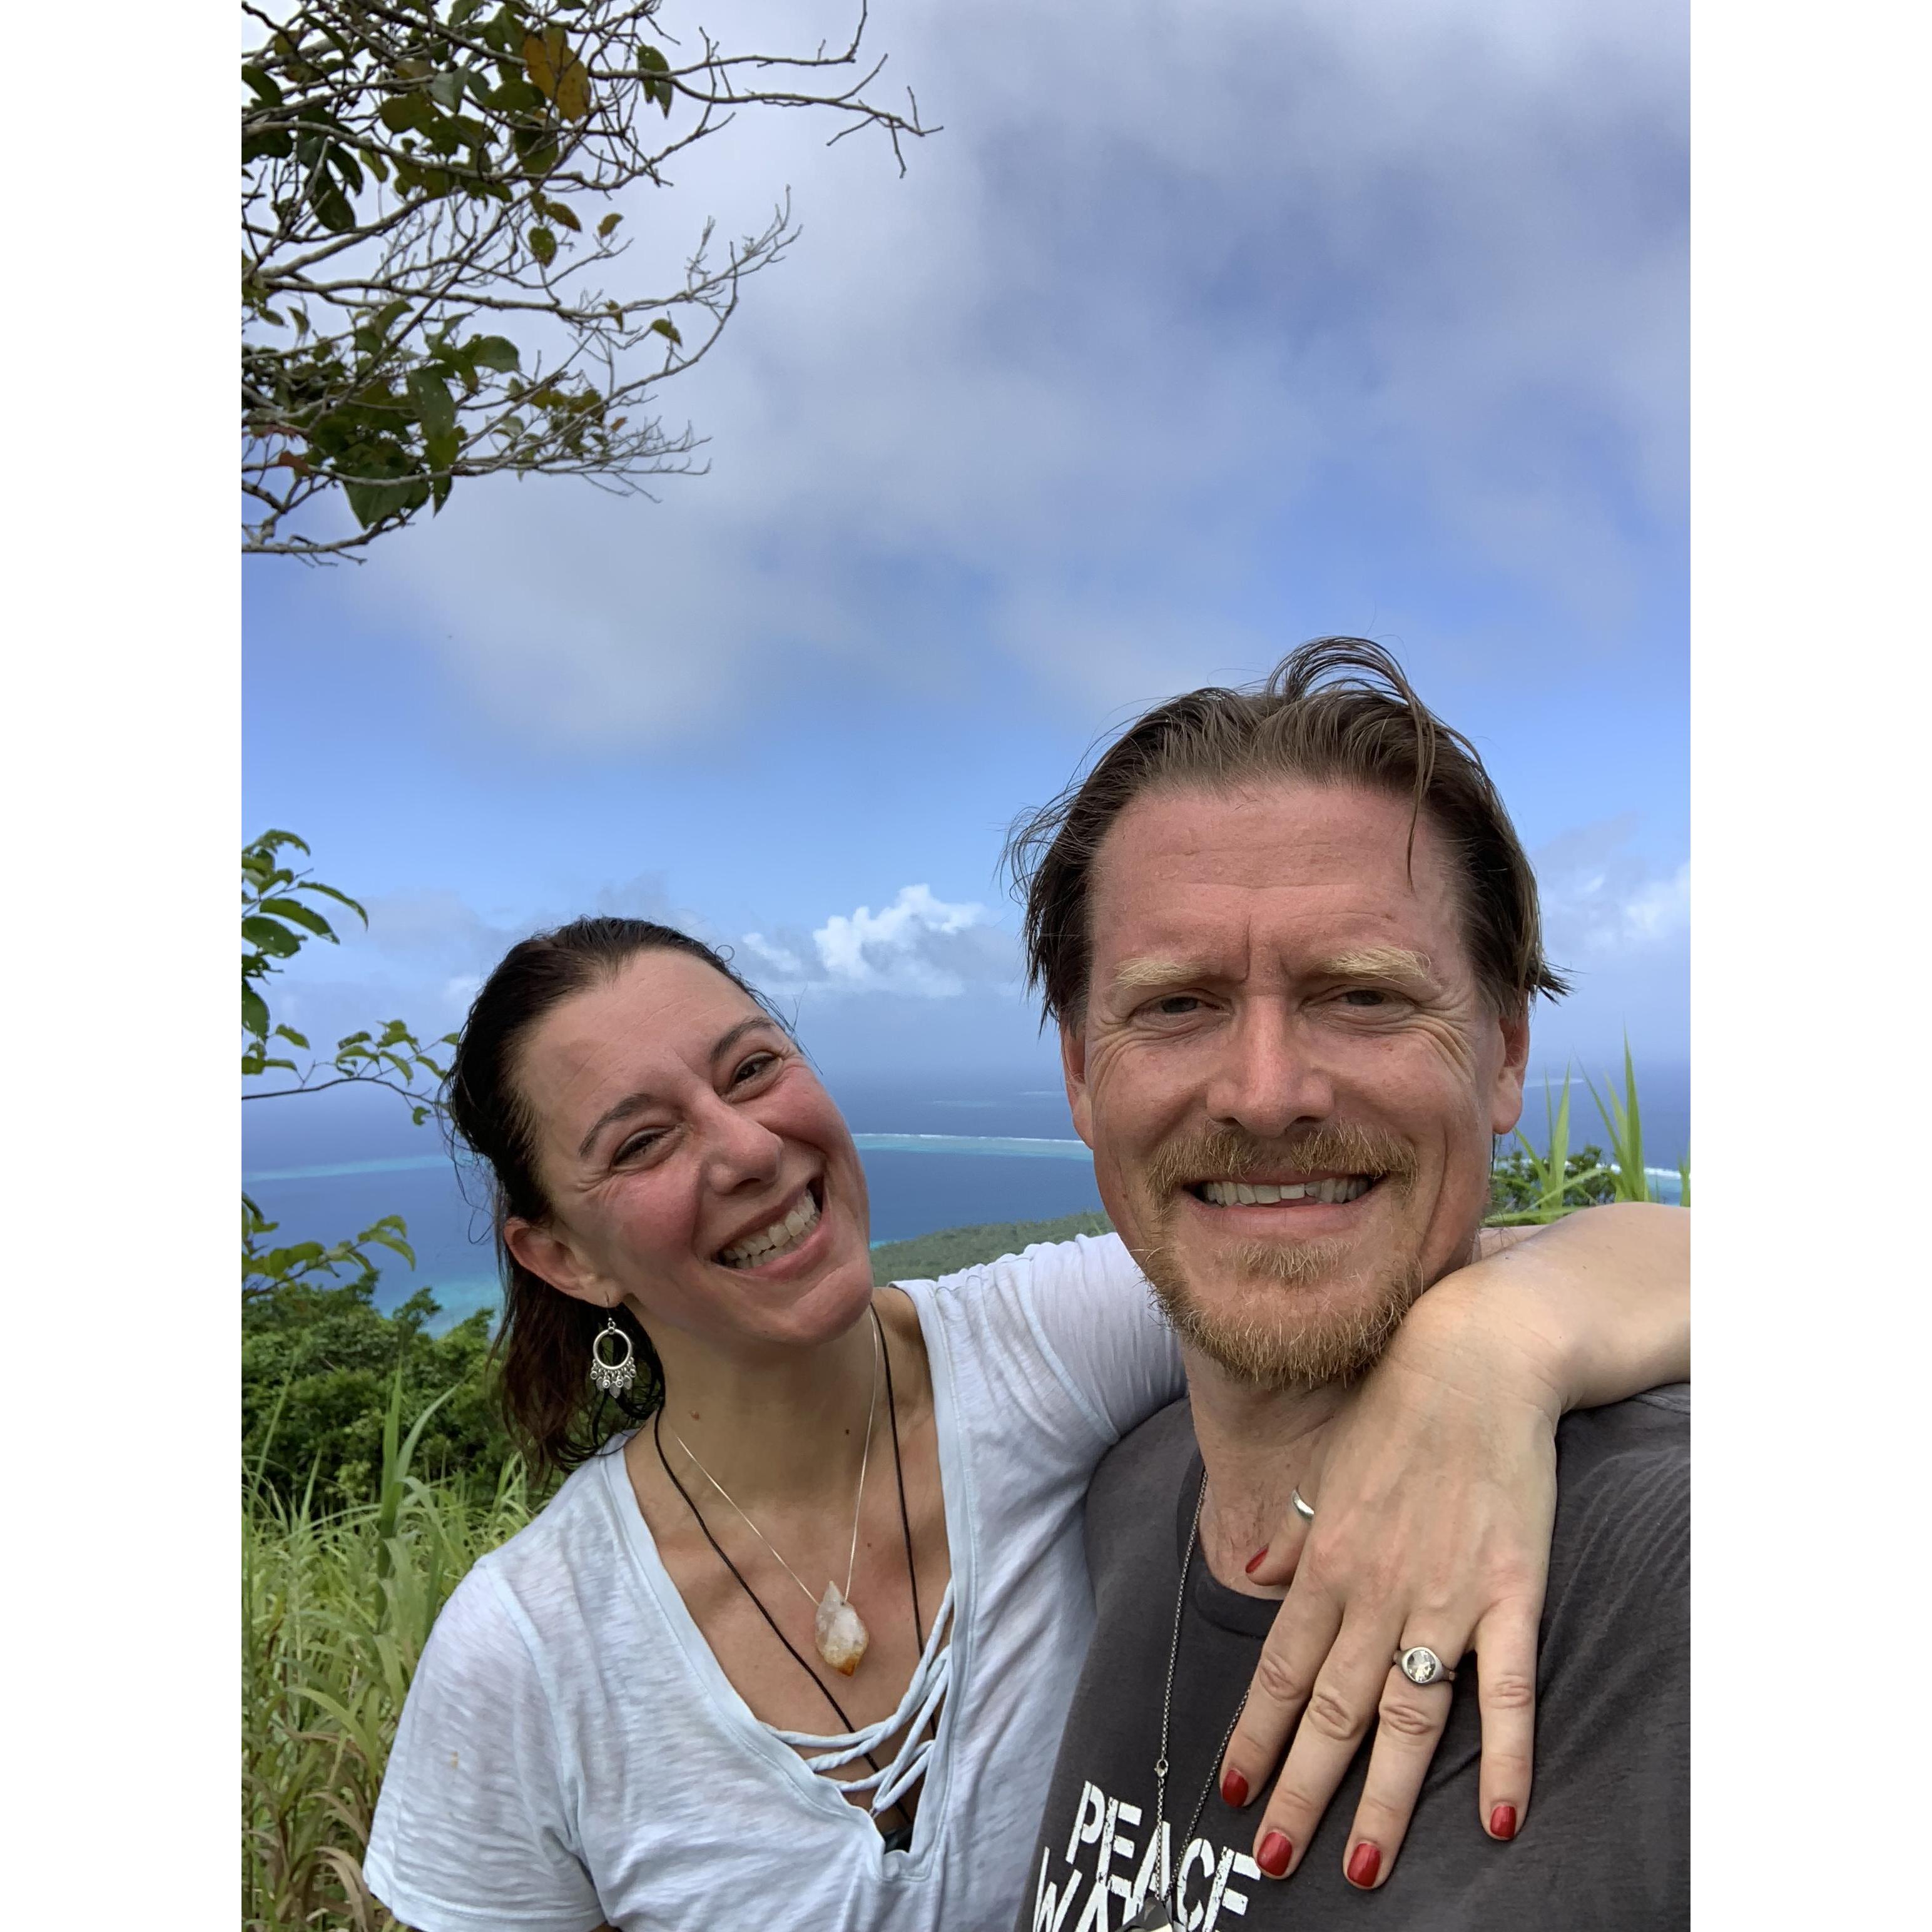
[{"x": 613, "y": 1378}]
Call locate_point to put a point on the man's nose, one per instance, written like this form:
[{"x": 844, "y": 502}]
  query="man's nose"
[{"x": 1269, "y": 1081}]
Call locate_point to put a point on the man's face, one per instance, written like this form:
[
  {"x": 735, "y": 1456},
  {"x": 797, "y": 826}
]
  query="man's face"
[{"x": 1286, "y": 1070}]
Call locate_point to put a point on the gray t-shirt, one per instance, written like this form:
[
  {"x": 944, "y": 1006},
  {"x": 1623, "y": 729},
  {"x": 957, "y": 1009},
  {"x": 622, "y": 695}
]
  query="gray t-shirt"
[{"x": 1605, "y": 1840}]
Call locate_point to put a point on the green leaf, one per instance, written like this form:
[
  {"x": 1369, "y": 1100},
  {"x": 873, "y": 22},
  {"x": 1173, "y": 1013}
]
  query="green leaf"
[
  {"x": 265, "y": 935},
  {"x": 289, "y": 1034},
  {"x": 654, "y": 69},
  {"x": 303, "y": 915},
  {"x": 254, "y": 1013},
  {"x": 493, "y": 352},
  {"x": 407, "y": 113},
  {"x": 607, "y": 225},
  {"x": 542, "y": 245},
  {"x": 266, "y": 90},
  {"x": 331, "y": 206},
  {"x": 667, "y": 330},
  {"x": 435, "y": 408},
  {"x": 563, "y": 217},
  {"x": 446, "y": 90},
  {"x": 386, "y": 317}
]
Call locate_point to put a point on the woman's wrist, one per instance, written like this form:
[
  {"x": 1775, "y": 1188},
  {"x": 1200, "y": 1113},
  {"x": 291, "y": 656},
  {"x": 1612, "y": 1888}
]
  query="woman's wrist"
[
  {"x": 1595, "y": 1305},
  {"x": 1494, "y": 1331}
]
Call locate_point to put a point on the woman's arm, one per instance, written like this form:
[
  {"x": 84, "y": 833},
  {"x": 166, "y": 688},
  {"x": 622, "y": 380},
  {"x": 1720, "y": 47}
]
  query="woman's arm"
[{"x": 1436, "y": 1499}]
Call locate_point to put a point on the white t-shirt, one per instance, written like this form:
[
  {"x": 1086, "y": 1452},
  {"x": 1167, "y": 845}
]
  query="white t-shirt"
[{"x": 571, "y": 1753}]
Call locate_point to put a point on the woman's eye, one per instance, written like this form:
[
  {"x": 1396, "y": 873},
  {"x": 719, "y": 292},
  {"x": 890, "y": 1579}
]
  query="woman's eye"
[
  {"x": 637, "y": 1145},
  {"x": 750, "y": 1070}
]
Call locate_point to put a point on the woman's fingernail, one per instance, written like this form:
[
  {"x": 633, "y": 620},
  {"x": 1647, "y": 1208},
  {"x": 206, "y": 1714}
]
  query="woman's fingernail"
[
  {"x": 1274, "y": 1855},
  {"x": 1502, "y": 1822},
  {"x": 1364, "y": 1862},
  {"x": 1234, "y": 1790},
  {"x": 1254, "y": 1562}
]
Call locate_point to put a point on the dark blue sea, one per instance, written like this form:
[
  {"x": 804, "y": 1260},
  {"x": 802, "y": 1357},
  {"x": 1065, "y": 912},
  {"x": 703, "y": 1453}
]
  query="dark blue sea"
[{"x": 953, "y": 1152}]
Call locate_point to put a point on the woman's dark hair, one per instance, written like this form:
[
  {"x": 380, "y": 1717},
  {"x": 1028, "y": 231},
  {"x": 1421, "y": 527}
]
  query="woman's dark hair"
[{"x": 542, "y": 1348}]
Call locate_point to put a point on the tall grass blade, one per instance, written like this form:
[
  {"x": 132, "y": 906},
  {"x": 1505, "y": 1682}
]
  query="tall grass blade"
[{"x": 1623, "y": 1126}]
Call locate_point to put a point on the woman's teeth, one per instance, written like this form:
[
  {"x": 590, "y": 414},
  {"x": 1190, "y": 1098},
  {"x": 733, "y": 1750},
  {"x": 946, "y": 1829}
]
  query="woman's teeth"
[
  {"x": 780, "y": 1238},
  {"x": 1239, "y": 1194}
]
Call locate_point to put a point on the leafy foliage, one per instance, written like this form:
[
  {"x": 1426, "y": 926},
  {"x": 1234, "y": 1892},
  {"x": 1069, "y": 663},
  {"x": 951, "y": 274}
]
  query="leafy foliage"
[
  {"x": 418, "y": 179},
  {"x": 279, "y": 917},
  {"x": 929, "y": 1256},
  {"x": 319, "y": 1363}
]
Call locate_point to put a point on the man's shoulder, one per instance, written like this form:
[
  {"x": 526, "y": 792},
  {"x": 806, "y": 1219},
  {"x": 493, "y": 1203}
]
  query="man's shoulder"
[
  {"x": 1132, "y": 1501},
  {"x": 1155, "y": 1455},
  {"x": 1622, "y": 1538}
]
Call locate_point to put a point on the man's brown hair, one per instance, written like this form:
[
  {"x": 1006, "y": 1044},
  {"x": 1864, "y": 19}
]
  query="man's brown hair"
[{"x": 1336, "y": 711}]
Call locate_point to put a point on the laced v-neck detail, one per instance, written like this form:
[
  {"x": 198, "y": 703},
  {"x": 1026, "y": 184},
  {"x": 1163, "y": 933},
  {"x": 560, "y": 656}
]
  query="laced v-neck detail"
[{"x": 917, "y": 1714}]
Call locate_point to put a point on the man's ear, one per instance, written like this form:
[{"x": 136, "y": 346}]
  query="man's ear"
[
  {"x": 1506, "y": 1098},
  {"x": 550, "y": 1257},
  {"x": 1073, "y": 1067}
]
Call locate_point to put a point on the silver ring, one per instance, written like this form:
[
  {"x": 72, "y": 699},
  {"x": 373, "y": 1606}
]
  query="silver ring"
[
  {"x": 1421, "y": 1665},
  {"x": 1303, "y": 1507}
]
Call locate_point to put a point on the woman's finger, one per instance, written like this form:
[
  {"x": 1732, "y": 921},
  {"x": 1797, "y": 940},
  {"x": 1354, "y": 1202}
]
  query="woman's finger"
[
  {"x": 1505, "y": 1644},
  {"x": 1341, "y": 1706},
  {"x": 1276, "y": 1562},
  {"x": 1409, "y": 1720},
  {"x": 1304, "y": 1627}
]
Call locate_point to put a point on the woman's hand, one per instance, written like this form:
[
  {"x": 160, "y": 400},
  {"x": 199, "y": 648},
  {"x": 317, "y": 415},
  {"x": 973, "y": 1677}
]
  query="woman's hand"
[{"x": 1435, "y": 1496}]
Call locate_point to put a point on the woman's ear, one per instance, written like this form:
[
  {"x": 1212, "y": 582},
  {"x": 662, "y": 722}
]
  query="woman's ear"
[{"x": 550, "y": 1257}]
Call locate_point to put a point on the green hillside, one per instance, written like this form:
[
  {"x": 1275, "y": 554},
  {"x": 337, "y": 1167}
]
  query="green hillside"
[{"x": 951, "y": 1249}]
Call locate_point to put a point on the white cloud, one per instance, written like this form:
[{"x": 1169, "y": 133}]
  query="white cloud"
[
  {"x": 1601, "y": 900},
  {"x": 1164, "y": 285},
  {"x": 919, "y": 945}
]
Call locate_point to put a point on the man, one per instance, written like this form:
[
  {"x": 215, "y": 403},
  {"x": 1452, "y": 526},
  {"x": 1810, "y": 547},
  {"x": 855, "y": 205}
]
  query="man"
[{"x": 1290, "y": 939}]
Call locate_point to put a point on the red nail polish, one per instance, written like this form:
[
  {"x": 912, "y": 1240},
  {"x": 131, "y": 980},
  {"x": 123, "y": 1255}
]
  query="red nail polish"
[
  {"x": 1363, "y": 1863},
  {"x": 1502, "y": 1822},
  {"x": 1234, "y": 1790},
  {"x": 1274, "y": 1855},
  {"x": 1254, "y": 1562}
]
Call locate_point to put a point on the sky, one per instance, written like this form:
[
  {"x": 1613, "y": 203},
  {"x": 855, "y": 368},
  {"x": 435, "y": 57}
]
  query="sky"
[{"x": 1228, "y": 325}]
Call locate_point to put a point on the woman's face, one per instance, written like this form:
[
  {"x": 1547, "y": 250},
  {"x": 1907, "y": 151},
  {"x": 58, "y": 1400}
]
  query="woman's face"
[{"x": 695, "y": 1167}]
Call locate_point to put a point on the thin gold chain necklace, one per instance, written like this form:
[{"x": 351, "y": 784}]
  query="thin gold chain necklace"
[{"x": 838, "y": 1632}]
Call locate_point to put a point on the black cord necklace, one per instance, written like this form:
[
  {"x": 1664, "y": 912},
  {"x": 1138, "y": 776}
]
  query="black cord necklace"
[{"x": 897, "y": 1839}]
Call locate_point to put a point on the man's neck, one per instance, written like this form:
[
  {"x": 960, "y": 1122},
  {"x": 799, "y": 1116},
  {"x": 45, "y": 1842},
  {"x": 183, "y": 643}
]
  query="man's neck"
[{"x": 1257, "y": 1446}]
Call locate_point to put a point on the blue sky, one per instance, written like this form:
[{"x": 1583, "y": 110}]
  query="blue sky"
[{"x": 1232, "y": 325}]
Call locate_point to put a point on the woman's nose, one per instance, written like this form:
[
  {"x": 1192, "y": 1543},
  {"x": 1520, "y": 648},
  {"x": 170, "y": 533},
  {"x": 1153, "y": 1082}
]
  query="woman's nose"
[{"x": 743, "y": 1151}]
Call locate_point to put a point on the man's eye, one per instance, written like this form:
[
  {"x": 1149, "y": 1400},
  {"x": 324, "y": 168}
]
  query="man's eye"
[
  {"x": 1366, "y": 996},
  {"x": 1176, "y": 1005}
]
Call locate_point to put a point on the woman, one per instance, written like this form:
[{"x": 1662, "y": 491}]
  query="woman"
[{"x": 801, "y": 1644}]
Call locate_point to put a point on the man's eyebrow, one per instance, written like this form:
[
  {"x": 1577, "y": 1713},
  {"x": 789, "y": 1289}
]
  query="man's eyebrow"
[
  {"x": 1396, "y": 964},
  {"x": 1135, "y": 976},
  {"x": 633, "y": 1103}
]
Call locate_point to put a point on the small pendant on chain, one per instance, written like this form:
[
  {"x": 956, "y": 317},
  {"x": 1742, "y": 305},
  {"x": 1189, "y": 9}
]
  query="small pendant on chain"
[
  {"x": 1152, "y": 1917},
  {"x": 839, "y": 1632}
]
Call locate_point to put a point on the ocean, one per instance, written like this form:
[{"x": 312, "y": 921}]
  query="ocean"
[{"x": 957, "y": 1151}]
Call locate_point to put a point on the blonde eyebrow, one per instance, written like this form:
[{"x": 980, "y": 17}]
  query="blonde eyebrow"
[
  {"x": 1396, "y": 964},
  {"x": 1137, "y": 976}
]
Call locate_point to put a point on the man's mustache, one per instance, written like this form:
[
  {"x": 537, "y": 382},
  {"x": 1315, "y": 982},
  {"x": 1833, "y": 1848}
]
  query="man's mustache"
[{"x": 1227, "y": 1154}]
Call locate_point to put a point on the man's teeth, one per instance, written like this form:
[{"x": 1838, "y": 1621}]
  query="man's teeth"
[
  {"x": 780, "y": 1238},
  {"x": 1239, "y": 1194}
]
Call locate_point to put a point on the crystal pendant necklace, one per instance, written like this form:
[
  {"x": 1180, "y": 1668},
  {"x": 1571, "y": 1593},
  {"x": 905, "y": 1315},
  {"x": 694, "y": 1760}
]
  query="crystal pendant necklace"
[{"x": 838, "y": 1633}]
